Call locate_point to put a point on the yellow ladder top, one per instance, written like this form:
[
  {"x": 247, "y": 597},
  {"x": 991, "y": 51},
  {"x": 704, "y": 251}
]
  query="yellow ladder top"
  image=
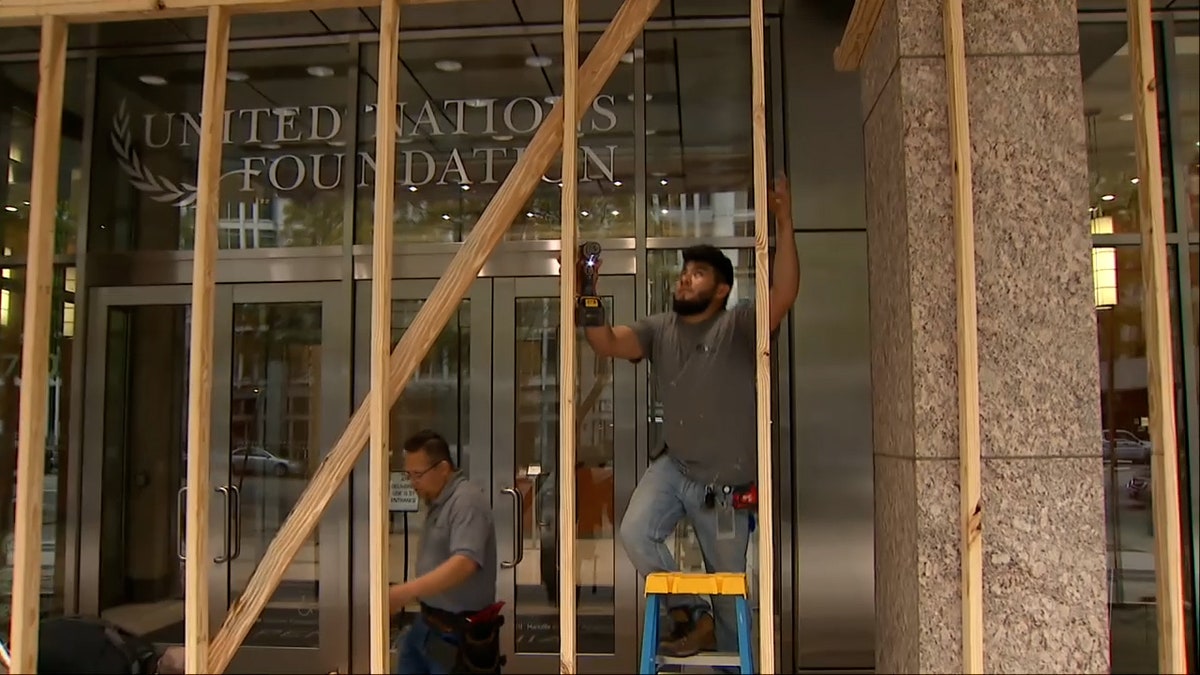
[{"x": 683, "y": 583}]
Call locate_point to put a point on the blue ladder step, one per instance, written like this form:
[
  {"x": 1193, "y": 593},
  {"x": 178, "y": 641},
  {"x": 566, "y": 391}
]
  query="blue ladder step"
[{"x": 703, "y": 659}]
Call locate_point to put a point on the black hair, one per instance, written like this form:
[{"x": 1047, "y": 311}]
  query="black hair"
[
  {"x": 432, "y": 444},
  {"x": 707, "y": 254}
]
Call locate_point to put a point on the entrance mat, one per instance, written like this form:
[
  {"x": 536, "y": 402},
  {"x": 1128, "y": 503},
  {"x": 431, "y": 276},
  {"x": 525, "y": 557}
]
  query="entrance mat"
[
  {"x": 538, "y": 633},
  {"x": 275, "y": 628}
]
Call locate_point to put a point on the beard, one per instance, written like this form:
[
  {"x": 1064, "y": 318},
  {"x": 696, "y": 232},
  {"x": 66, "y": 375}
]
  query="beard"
[{"x": 684, "y": 307}]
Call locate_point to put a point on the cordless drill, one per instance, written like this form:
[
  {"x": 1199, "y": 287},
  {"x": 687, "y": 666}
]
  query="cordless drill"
[{"x": 589, "y": 312}]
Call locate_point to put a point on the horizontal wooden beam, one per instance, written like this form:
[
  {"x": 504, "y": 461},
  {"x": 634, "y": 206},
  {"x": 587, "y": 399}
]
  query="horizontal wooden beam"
[
  {"x": 31, "y": 12},
  {"x": 849, "y": 54}
]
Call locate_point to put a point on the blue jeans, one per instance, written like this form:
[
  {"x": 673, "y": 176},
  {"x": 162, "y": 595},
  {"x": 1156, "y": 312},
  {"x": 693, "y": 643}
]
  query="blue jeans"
[
  {"x": 664, "y": 496},
  {"x": 424, "y": 651}
]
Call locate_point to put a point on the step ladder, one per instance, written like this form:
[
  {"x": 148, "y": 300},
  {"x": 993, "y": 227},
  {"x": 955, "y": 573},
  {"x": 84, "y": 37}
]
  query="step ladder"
[{"x": 661, "y": 584}]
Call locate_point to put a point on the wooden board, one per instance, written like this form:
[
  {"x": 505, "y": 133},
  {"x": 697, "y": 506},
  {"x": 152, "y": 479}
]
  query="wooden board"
[
  {"x": 507, "y": 203},
  {"x": 970, "y": 502},
  {"x": 1156, "y": 318},
  {"x": 200, "y": 364},
  {"x": 35, "y": 350},
  {"x": 762, "y": 315},
  {"x": 381, "y": 328},
  {"x": 568, "y": 528},
  {"x": 863, "y": 18},
  {"x": 30, "y": 12}
]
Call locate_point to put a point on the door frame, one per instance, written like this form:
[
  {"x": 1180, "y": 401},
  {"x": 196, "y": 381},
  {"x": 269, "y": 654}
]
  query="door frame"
[
  {"x": 626, "y": 601},
  {"x": 333, "y": 532}
]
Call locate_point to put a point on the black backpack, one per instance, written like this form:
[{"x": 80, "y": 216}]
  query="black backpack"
[{"x": 75, "y": 644}]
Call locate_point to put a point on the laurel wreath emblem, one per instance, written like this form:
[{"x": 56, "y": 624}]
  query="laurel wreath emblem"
[{"x": 159, "y": 188}]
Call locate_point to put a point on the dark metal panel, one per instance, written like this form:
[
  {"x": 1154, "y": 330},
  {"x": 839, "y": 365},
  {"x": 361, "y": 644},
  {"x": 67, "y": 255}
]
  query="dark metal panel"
[
  {"x": 834, "y": 619},
  {"x": 833, "y": 471}
]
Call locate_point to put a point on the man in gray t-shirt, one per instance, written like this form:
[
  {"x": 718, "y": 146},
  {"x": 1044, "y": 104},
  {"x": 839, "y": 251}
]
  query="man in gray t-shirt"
[
  {"x": 702, "y": 359},
  {"x": 456, "y": 556}
]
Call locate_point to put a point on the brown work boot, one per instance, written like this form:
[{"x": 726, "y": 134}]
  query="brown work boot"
[
  {"x": 681, "y": 625},
  {"x": 702, "y": 636}
]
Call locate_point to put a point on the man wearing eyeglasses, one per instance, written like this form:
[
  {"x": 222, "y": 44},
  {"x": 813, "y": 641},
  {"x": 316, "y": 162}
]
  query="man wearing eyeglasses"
[{"x": 456, "y": 568}]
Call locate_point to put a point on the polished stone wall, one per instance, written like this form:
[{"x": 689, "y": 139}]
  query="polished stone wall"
[{"x": 1045, "y": 603}]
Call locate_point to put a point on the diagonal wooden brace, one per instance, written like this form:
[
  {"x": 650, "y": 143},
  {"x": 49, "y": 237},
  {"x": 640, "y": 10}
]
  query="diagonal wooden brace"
[{"x": 503, "y": 209}]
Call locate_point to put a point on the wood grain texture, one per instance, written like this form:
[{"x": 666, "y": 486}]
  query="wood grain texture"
[
  {"x": 381, "y": 329},
  {"x": 762, "y": 314},
  {"x": 567, "y": 349},
  {"x": 443, "y": 301},
  {"x": 200, "y": 363},
  {"x": 35, "y": 350},
  {"x": 848, "y": 55},
  {"x": 970, "y": 503},
  {"x": 31, "y": 12},
  {"x": 1156, "y": 318}
]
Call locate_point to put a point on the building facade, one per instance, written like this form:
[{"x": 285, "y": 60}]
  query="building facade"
[{"x": 864, "y": 384}]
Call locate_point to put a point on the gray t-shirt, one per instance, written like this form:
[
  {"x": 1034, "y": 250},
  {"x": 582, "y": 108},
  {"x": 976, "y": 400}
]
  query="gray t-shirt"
[
  {"x": 460, "y": 522},
  {"x": 706, "y": 374}
]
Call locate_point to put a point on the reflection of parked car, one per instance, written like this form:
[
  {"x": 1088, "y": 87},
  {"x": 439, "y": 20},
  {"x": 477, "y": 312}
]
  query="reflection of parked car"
[
  {"x": 1128, "y": 447},
  {"x": 256, "y": 461}
]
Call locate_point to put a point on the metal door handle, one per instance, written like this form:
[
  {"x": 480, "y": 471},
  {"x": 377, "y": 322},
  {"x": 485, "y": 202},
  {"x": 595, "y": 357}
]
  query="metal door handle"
[
  {"x": 237, "y": 522},
  {"x": 224, "y": 489},
  {"x": 181, "y": 537},
  {"x": 519, "y": 517}
]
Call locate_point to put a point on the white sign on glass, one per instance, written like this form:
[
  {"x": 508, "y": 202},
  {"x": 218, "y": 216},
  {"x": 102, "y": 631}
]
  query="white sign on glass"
[{"x": 403, "y": 496}]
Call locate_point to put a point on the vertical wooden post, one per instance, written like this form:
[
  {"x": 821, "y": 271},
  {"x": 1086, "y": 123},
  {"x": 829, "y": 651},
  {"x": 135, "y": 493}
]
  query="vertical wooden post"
[
  {"x": 1156, "y": 316},
  {"x": 970, "y": 505},
  {"x": 567, "y": 356},
  {"x": 381, "y": 326},
  {"x": 762, "y": 307},
  {"x": 35, "y": 350},
  {"x": 199, "y": 466}
]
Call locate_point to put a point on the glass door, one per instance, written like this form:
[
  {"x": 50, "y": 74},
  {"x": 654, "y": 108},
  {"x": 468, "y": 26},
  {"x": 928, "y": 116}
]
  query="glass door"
[
  {"x": 450, "y": 393},
  {"x": 525, "y": 473},
  {"x": 276, "y": 393}
]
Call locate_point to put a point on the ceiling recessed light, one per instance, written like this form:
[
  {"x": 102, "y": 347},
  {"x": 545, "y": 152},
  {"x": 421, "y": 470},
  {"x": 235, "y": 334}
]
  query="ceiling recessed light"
[
  {"x": 270, "y": 146},
  {"x": 662, "y": 182},
  {"x": 478, "y": 102},
  {"x": 1135, "y": 181},
  {"x": 445, "y": 216},
  {"x": 448, "y": 66},
  {"x": 1127, "y": 117},
  {"x": 552, "y": 99},
  {"x": 412, "y": 188},
  {"x": 617, "y": 183},
  {"x": 649, "y": 97},
  {"x": 585, "y": 214},
  {"x": 1108, "y": 198},
  {"x": 337, "y": 144},
  {"x": 10, "y": 209},
  {"x": 154, "y": 80},
  {"x": 651, "y": 132},
  {"x": 320, "y": 71},
  {"x": 465, "y": 187},
  {"x": 616, "y": 212},
  {"x": 665, "y": 212},
  {"x": 529, "y": 214},
  {"x": 502, "y": 137},
  {"x": 237, "y": 76},
  {"x": 538, "y": 61}
]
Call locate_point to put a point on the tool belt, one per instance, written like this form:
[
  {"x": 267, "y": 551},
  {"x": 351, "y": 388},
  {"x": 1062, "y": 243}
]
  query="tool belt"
[
  {"x": 475, "y": 634},
  {"x": 743, "y": 496}
]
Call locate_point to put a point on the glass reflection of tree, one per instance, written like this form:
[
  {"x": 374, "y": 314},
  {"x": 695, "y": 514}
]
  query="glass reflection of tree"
[{"x": 316, "y": 221}]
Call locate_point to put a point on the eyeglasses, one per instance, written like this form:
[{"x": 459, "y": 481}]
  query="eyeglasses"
[{"x": 416, "y": 475}]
